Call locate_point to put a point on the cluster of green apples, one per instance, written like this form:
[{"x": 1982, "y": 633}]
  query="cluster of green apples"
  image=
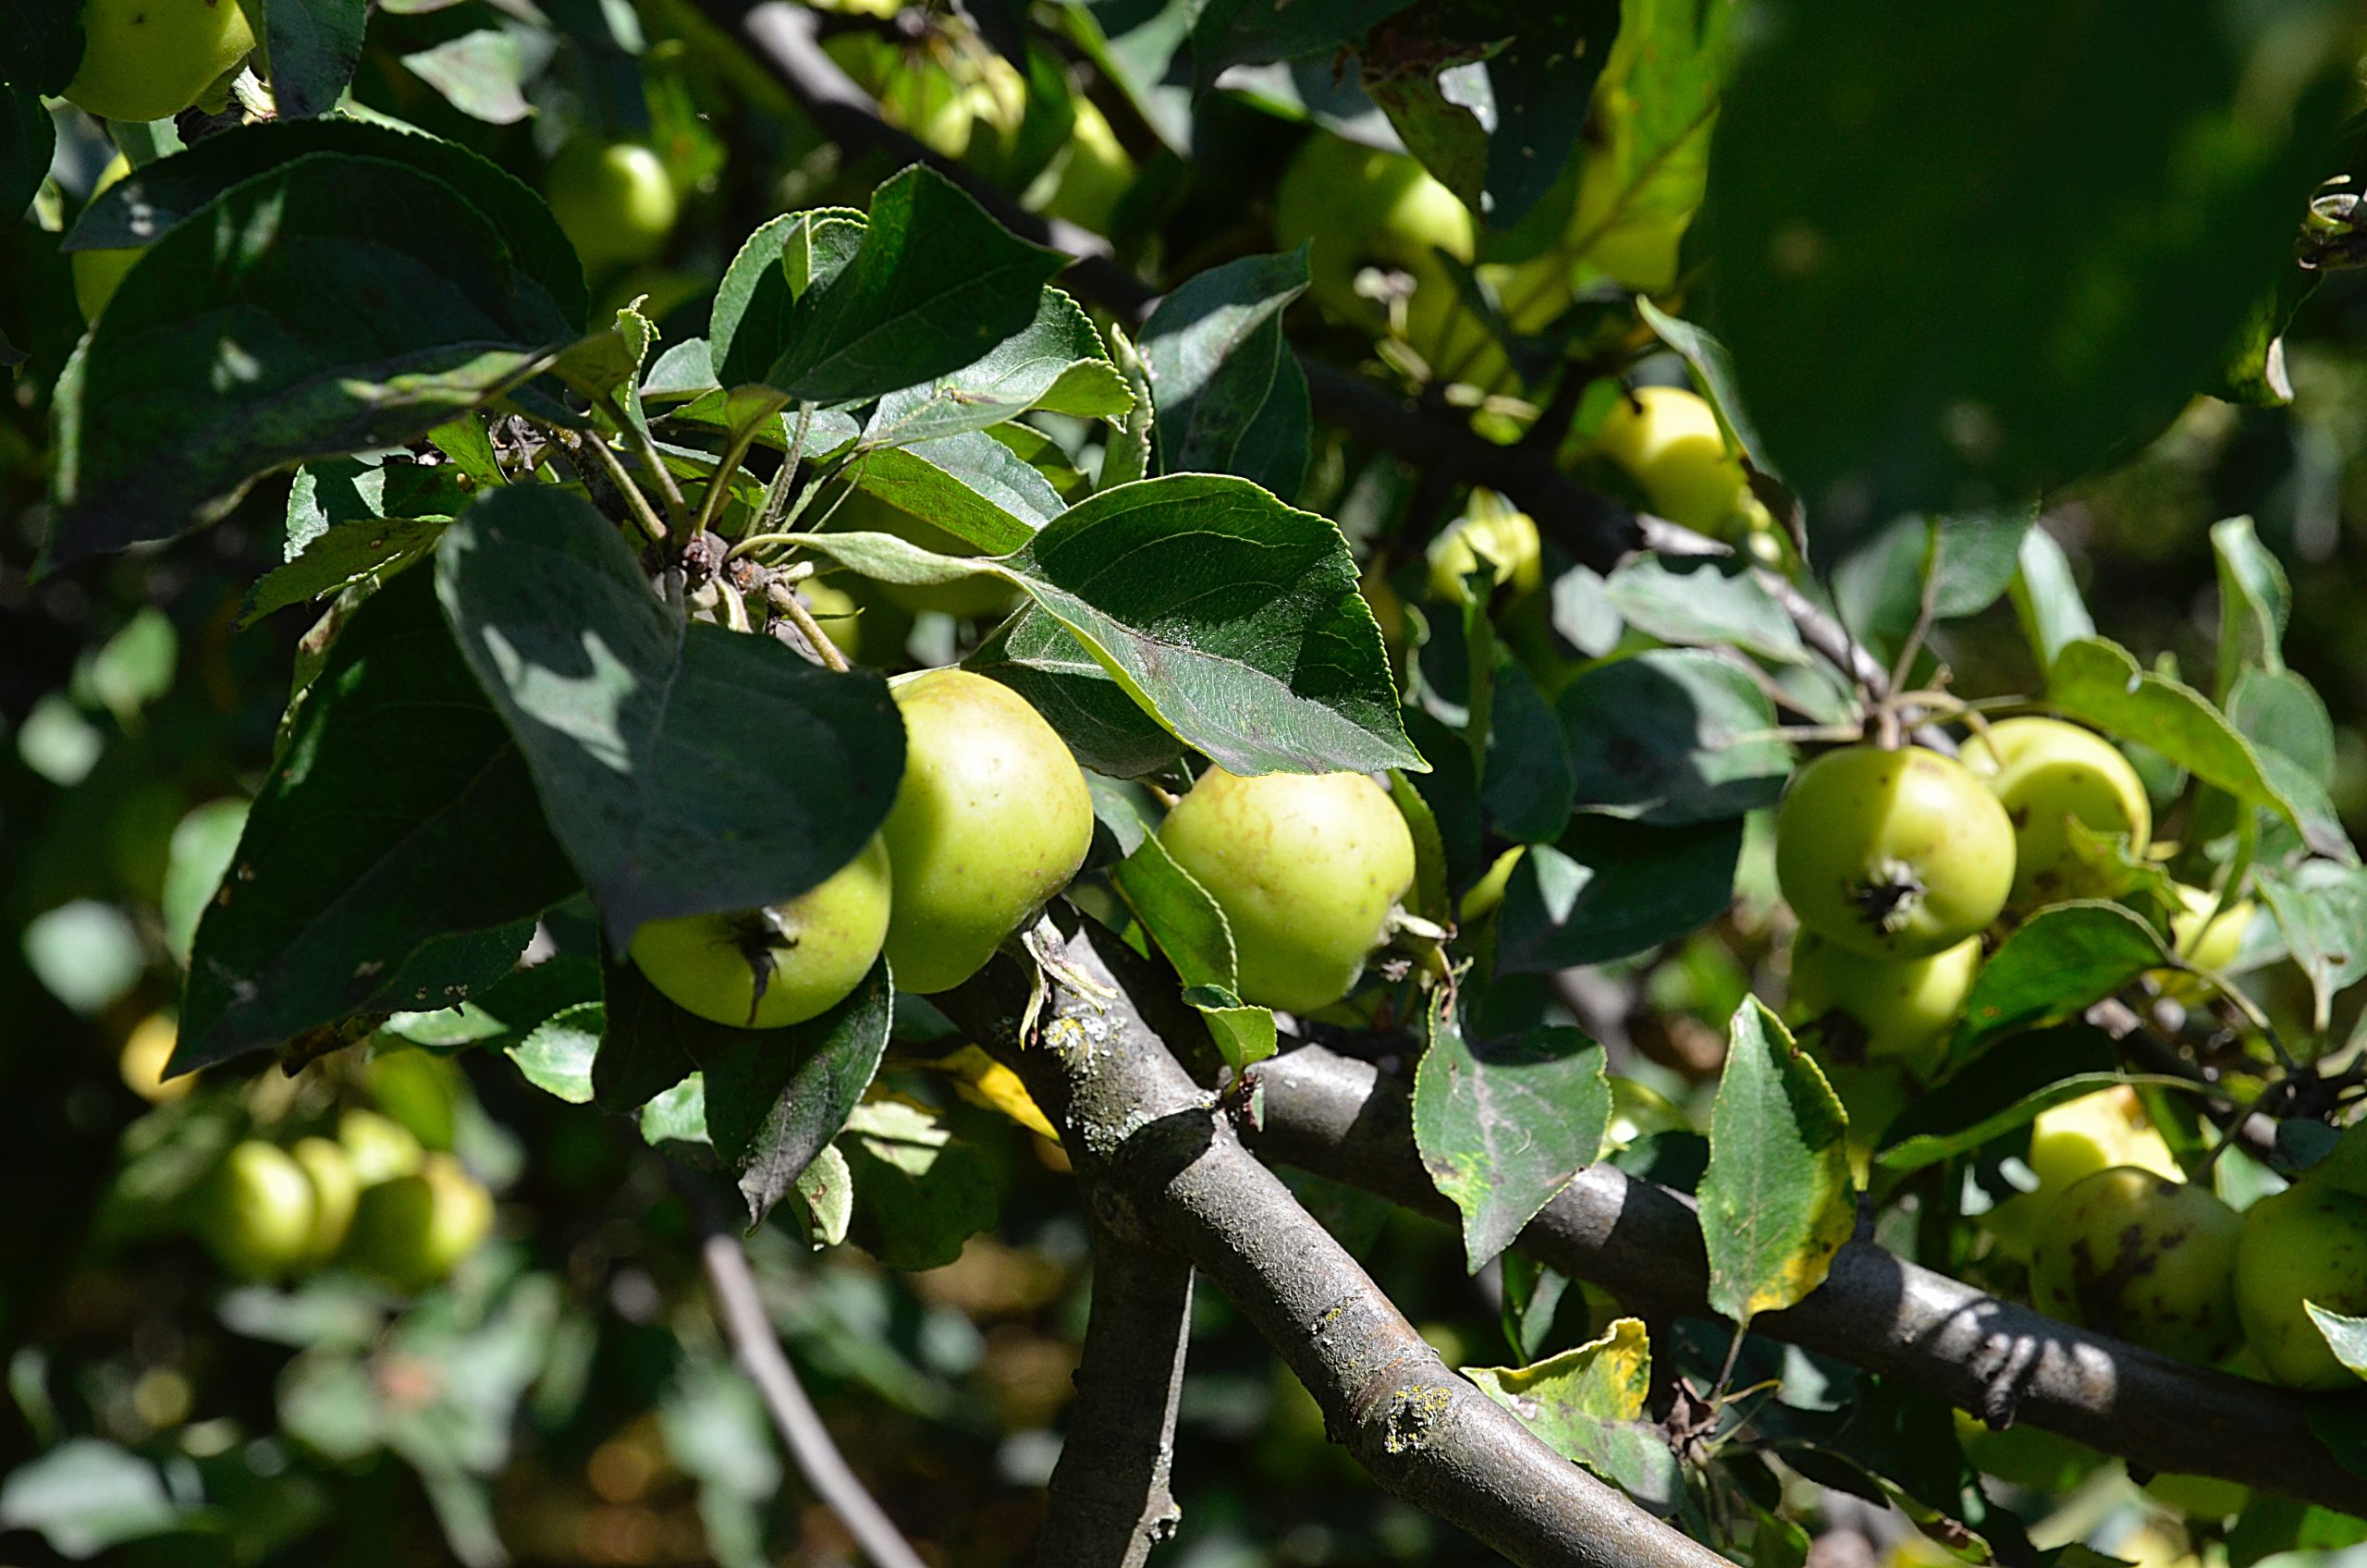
[
  {"x": 993, "y": 819},
  {"x": 369, "y": 1199}
]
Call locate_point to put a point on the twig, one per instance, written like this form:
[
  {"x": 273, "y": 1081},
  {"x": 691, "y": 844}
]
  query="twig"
[
  {"x": 1109, "y": 1501},
  {"x": 1339, "y": 1118},
  {"x": 792, "y": 608},
  {"x": 750, "y": 1331},
  {"x": 644, "y": 515},
  {"x": 669, "y": 493},
  {"x": 1154, "y": 1140}
]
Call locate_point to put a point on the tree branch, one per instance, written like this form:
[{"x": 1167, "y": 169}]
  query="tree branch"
[
  {"x": 749, "y": 1333},
  {"x": 1339, "y": 1118},
  {"x": 1168, "y": 1161},
  {"x": 1109, "y": 1502}
]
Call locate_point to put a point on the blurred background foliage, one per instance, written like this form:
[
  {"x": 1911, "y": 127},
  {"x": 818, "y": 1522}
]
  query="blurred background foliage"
[{"x": 563, "y": 1397}]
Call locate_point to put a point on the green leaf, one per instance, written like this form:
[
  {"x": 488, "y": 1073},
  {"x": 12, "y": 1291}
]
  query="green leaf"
[
  {"x": 557, "y": 1054},
  {"x": 482, "y": 74},
  {"x": 2087, "y": 241},
  {"x": 1234, "y": 32},
  {"x": 1043, "y": 661},
  {"x": 1913, "y": 1151},
  {"x": 1503, "y": 1126},
  {"x": 1056, "y": 362},
  {"x": 689, "y": 769},
  {"x": 934, "y": 286},
  {"x": 1586, "y": 1404},
  {"x": 969, "y": 485},
  {"x": 1703, "y": 603},
  {"x": 157, "y": 198},
  {"x": 1647, "y": 154},
  {"x": 313, "y": 47},
  {"x": 1776, "y": 1201},
  {"x": 1191, "y": 931},
  {"x": 2046, "y": 600},
  {"x": 643, "y": 1050},
  {"x": 370, "y": 858},
  {"x": 1610, "y": 889},
  {"x": 2255, "y": 604},
  {"x": 42, "y": 45},
  {"x": 2322, "y": 910},
  {"x": 332, "y": 304},
  {"x": 1713, "y": 368},
  {"x": 1672, "y": 737},
  {"x": 2345, "y": 1336},
  {"x": 2099, "y": 682},
  {"x": 776, "y": 1097},
  {"x": 27, "y": 139},
  {"x": 2282, "y": 712},
  {"x": 353, "y": 548},
  {"x": 1230, "y": 398},
  {"x": 203, "y": 842},
  {"x": 1527, "y": 783},
  {"x": 920, "y": 1192},
  {"x": 677, "y": 1116},
  {"x": 1973, "y": 560},
  {"x": 85, "y": 1496},
  {"x": 2057, "y": 964}
]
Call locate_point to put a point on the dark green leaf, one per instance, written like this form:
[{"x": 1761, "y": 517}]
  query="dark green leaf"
[
  {"x": 1672, "y": 737},
  {"x": 1216, "y": 356},
  {"x": 969, "y": 485},
  {"x": 2283, "y": 713},
  {"x": 691, "y": 770},
  {"x": 2255, "y": 603},
  {"x": 157, "y": 198},
  {"x": 920, "y": 1192},
  {"x": 1191, "y": 930},
  {"x": 1504, "y": 1125},
  {"x": 2057, "y": 964},
  {"x": 644, "y": 1042},
  {"x": 776, "y": 1097},
  {"x": 28, "y": 138},
  {"x": 1042, "y": 660},
  {"x": 1526, "y": 783},
  {"x": 42, "y": 45},
  {"x": 1713, "y": 367},
  {"x": 1056, "y": 362},
  {"x": 1234, "y": 32},
  {"x": 1974, "y": 560},
  {"x": 1703, "y": 603},
  {"x": 2087, "y": 241},
  {"x": 349, "y": 550},
  {"x": 934, "y": 286},
  {"x": 2046, "y": 600},
  {"x": 314, "y": 46},
  {"x": 332, "y": 304},
  {"x": 1611, "y": 889},
  {"x": 367, "y": 845},
  {"x": 1913, "y": 1151},
  {"x": 1776, "y": 1201}
]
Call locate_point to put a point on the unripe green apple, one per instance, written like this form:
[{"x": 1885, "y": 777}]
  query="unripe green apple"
[
  {"x": 412, "y": 1231},
  {"x": 1357, "y": 207},
  {"x": 966, "y": 599},
  {"x": 256, "y": 1212},
  {"x": 1306, "y": 869},
  {"x": 782, "y": 964},
  {"x": 991, "y": 820},
  {"x": 1892, "y": 853},
  {"x": 2027, "y": 1456},
  {"x": 335, "y": 1192},
  {"x": 615, "y": 200},
  {"x": 2145, "y": 1257},
  {"x": 2070, "y": 1143},
  {"x": 1905, "y": 1007},
  {"x": 2048, "y": 773},
  {"x": 150, "y": 59},
  {"x": 380, "y": 1147},
  {"x": 1096, "y": 175},
  {"x": 145, "y": 1052},
  {"x": 2200, "y": 1497},
  {"x": 1668, "y": 441},
  {"x": 1490, "y": 532},
  {"x": 2307, "y": 1244},
  {"x": 2213, "y": 946},
  {"x": 98, "y": 273}
]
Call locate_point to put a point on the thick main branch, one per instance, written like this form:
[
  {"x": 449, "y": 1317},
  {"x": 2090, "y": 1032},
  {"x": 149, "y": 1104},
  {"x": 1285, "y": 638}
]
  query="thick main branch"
[
  {"x": 1340, "y": 1118},
  {"x": 1164, "y": 1161}
]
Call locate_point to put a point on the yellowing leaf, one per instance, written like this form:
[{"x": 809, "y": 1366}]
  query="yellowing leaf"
[
  {"x": 1777, "y": 1201},
  {"x": 985, "y": 1082}
]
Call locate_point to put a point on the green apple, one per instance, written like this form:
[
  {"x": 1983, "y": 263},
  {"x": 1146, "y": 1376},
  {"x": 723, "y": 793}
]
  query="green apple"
[
  {"x": 2202, "y": 941},
  {"x": 380, "y": 1147},
  {"x": 150, "y": 59},
  {"x": 2204, "y": 1498},
  {"x": 412, "y": 1231},
  {"x": 2026, "y": 1455},
  {"x": 2307, "y": 1244},
  {"x": 2145, "y": 1257},
  {"x": 1892, "y": 853},
  {"x": 1493, "y": 531},
  {"x": 1905, "y": 1009},
  {"x": 417, "y": 1088},
  {"x": 2073, "y": 1141},
  {"x": 1668, "y": 441},
  {"x": 256, "y": 1212},
  {"x": 991, "y": 820},
  {"x": 98, "y": 273},
  {"x": 782, "y": 964},
  {"x": 146, "y": 1051},
  {"x": 336, "y": 1190},
  {"x": 613, "y": 199},
  {"x": 1306, "y": 869},
  {"x": 1358, "y": 207},
  {"x": 2048, "y": 773}
]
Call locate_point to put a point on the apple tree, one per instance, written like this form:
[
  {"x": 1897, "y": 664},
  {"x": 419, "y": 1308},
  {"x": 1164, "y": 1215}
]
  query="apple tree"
[{"x": 1575, "y": 780}]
